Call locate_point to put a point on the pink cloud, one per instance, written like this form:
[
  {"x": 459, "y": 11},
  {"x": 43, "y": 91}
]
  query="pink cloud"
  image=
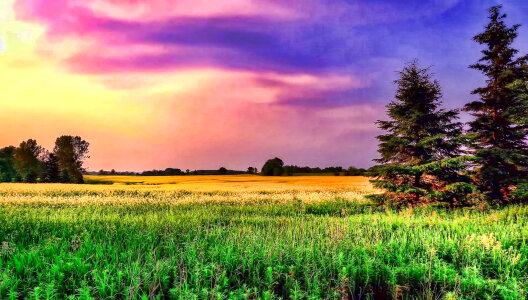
[{"x": 155, "y": 9}]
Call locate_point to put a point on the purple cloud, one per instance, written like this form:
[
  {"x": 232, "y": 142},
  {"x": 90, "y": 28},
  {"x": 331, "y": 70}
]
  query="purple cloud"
[{"x": 368, "y": 39}]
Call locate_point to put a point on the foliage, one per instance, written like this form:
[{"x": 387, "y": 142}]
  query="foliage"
[
  {"x": 27, "y": 160},
  {"x": 521, "y": 192},
  {"x": 289, "y": 170},
  {"x": 497, "y": 133},
  {"x": 7, "y": 165},
  {"x": 421, "y": 147},
  {"x": 71, "y": 151},
  {"x": 162, "y": 242},
  {"x": 353, "y": 171},
  {"x": 51, "y": 168},
  {"x": 273, "y": 167},
  {"x": 519, "y": 87}
]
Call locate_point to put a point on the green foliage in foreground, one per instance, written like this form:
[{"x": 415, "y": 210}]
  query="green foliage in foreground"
[{"x": 329, "y": 250}]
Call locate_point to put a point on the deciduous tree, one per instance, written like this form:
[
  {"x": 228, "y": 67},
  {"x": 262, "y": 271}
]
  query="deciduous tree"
[
  {"x": 7, "y": 164},
  {"x": 51, "y": 168},
  {"x": 273, "y": 167},
  {"x": 28, "y": 160},
  {"x": 71, "y": 151}
]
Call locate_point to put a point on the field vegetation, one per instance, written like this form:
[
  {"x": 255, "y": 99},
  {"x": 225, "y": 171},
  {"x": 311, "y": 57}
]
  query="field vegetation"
[{"x": 250, "y": 237}]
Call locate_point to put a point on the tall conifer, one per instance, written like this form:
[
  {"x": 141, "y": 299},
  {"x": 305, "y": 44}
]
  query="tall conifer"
[
  {"x": 420, "y": 149},
  {"x": 497, "y": 135}
]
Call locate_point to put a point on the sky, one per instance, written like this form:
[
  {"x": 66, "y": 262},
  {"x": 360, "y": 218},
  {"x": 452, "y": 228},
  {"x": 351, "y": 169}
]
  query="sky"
[{"x": 200, "y": 84}]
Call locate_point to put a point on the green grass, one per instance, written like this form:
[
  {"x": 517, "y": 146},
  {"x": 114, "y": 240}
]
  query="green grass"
[{"x": 329, "y": 250}]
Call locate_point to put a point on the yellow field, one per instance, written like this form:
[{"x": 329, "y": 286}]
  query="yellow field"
[
  {"x": 191, "y": 189},
  {"x": 238, "y": 181}
]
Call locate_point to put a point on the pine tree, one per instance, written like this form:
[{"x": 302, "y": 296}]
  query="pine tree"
[
  {"x": 420, "y": 152},
  {"x": 498, "y": 141},
  {"x": 519, "y": 111}
]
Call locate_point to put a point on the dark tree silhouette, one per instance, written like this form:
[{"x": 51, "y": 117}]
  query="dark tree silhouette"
[
  {"x": 71, "y": 151},
  {"x": 51, "y": 168},
  {"x": 420, "y": 148},
  {"x": 172, "y": 172},
  {"x": 289, "y": 170},
  {"x": 222, "y": 171},
  {"x": 27, "y": 160},
  {"x": 498, "y": 138},
  {"x": 7, "y": 164},
  {"x": 353, "y": 171},
  {"x": 273, "y": 167}
]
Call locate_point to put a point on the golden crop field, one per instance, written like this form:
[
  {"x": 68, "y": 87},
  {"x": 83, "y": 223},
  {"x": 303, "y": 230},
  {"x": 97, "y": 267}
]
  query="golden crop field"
[
  {"x": 192, "y": 189},
  {"x": 239, "y": 182}
]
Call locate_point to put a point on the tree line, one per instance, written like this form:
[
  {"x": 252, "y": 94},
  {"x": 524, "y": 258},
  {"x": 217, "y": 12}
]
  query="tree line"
[
  {"x": 177, "y": 172},
  {"x": 427, "y": 155},
  {"x": 276, "y": 167},
  {"x": 30, "y": 162},
  {"x": 272, "y": 167}
]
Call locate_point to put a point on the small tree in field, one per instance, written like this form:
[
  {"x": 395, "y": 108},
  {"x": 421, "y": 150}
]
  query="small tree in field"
[
  {"x": 421, "y": 147},
  {"x": 222, "y": 171},
  {"x": 498, "y": 133},
  {"x": 273, "y": 167},
  {"x": 71, "y": 151}
]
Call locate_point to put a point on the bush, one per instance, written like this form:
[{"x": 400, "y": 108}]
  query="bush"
[
  {"x": 273, "y": 167},
  {"x": 521, "y": 192}
]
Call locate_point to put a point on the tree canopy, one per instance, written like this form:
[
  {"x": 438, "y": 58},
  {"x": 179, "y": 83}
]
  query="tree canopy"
[
  {"x": 71, "y": 151},
  {"x": 273, "y": 167},
  {"x": 30, "y": 162}
]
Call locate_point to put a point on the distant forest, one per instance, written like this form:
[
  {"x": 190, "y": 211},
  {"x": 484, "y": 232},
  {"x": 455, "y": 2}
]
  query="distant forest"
[{"x": 277, "y": 168}]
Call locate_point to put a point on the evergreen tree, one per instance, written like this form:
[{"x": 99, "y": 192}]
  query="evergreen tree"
[
  {"x": 498, "y": 139},
  {"x": 421, "y": 147}
]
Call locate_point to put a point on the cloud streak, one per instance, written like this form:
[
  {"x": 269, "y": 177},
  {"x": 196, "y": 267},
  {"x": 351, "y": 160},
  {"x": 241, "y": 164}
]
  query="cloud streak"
[{"x": 310, "y": 42}]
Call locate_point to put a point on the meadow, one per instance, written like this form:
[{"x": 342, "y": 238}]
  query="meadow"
[{"x": 250, "y": 237}]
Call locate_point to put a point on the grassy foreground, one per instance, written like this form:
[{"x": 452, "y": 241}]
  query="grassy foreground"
[{"x": 248, "y": 237}]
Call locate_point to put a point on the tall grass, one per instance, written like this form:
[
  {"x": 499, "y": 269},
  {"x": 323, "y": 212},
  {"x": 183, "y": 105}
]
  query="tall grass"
[{"x": 300, "y": 248}]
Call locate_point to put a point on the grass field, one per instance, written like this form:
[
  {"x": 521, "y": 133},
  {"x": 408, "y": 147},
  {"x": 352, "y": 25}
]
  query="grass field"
[{"x": 250, "y": 237}]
